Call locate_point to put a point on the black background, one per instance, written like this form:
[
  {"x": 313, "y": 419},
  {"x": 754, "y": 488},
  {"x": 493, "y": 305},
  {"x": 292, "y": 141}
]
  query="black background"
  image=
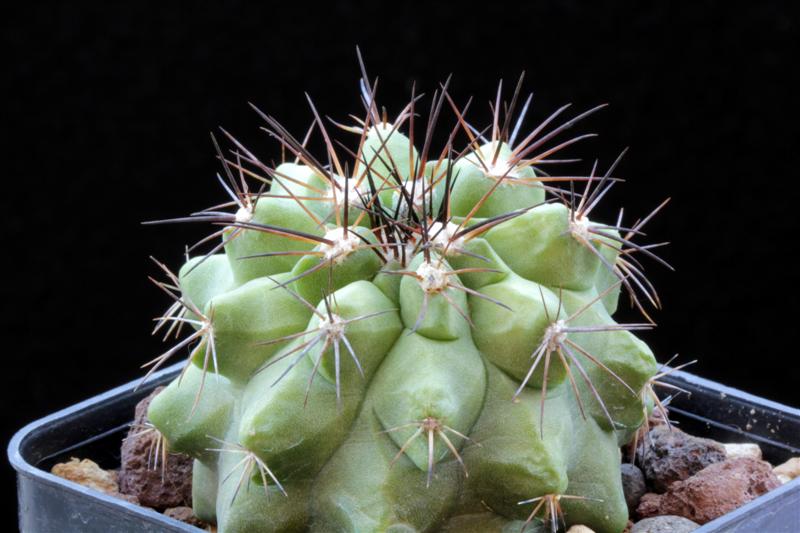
[{"x": 108, "y": 110}]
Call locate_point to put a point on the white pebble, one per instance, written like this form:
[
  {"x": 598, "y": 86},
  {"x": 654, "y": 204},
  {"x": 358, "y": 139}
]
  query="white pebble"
[
  {"x": 789, "y": 469},
  {"x": 744, "y": 449}
]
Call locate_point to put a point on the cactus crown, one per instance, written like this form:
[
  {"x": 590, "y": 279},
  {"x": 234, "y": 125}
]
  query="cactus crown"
[{"x": 404, "y": 338}]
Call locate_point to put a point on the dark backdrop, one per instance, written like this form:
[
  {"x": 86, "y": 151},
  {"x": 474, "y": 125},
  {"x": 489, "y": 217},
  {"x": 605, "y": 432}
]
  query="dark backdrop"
[{"x": 108, "y": 110}]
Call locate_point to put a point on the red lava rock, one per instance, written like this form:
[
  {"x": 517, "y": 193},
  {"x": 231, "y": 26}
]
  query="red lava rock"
[
  {"x": 671, "y": 455},
  {"x": 139, "y": 476},
  {"x": 717, "y": 489},
  {"x": 185, "y": 514}
]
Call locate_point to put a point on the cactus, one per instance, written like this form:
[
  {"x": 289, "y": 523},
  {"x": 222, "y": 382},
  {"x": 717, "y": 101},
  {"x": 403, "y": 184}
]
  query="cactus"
[{"x": 397, "y": 338}]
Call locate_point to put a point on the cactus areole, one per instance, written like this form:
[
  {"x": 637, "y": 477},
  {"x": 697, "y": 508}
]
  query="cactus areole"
[{"x": 390, "y": 335}]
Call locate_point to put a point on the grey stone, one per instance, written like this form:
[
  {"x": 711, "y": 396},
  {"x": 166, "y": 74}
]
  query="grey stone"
[
  {"x": 633, "y": 486},
  {"x": 664, "y": 524}
]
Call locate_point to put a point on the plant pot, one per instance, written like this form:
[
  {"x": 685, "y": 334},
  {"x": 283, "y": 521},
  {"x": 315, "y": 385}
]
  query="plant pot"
[{"x": 94, "y": 428}]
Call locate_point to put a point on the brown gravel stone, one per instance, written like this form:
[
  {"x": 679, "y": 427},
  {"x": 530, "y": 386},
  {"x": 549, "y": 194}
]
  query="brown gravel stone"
[
  {"x": 672, "y": 455},
  {"x": 139, "y": 476},
  {"x": 88, "y": 474},
  {"x": 717, "y": 489},
  {"x": 130, "y": 498},
  {"x": 185, "y": 514}
]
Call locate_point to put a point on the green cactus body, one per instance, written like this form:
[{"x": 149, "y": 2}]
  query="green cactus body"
[
  {"x": 376, "y": 367},
  {"x": 488, "y": 171}
]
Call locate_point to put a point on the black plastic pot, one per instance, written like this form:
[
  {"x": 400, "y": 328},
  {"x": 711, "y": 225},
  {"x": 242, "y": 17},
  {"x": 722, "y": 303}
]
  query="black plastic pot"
[{"x": 94, "y": 428}]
